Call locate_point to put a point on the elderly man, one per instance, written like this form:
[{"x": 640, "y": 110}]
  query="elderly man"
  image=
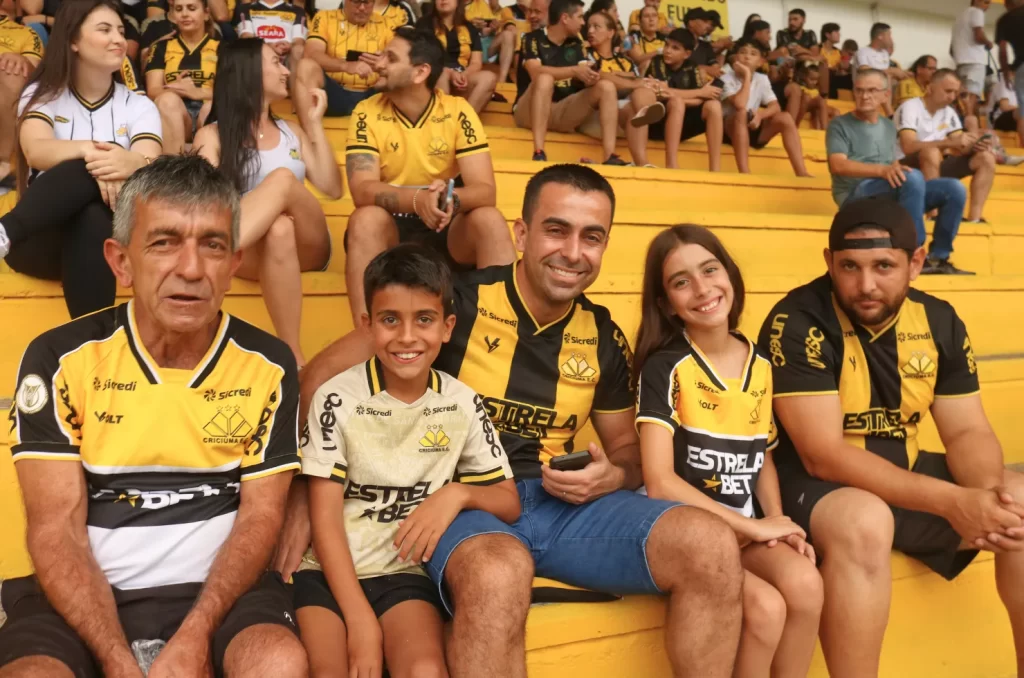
[
  {"x": 155, "y": 442},
  {"x": 933, "y": 141}
]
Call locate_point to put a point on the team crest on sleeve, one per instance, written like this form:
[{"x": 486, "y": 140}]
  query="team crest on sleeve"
[{"x": 32, "y": 394}]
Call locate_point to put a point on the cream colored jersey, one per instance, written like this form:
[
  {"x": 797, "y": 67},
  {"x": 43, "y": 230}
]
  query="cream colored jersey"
[{"x": 391, "y": 455}]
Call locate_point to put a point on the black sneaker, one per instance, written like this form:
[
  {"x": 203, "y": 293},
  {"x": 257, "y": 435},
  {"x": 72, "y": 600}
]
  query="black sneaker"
[
  {"x": 540, "y": 156},
  {"x": 498, "y": 98},
  {"x": 614, "y": 159},
  {"x": 942, "y": 267}
]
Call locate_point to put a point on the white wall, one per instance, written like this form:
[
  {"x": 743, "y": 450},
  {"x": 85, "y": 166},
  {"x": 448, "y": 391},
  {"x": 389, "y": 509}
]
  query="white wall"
[{"x": 915, "y": 32}]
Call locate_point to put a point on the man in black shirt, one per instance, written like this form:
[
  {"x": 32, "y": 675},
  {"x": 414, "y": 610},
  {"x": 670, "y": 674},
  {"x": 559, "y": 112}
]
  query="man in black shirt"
[
  {"x": 699, "y": 23},
  {"x": 1010, "y": 30},
  {"x": 558, "y": 89},
  {"x": 800, "y": 43}
]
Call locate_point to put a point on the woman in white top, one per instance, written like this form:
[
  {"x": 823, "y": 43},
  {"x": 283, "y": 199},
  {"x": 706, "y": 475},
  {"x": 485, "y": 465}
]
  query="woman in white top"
[
  {"x": 283, "y": 229},
  {"x": 80, "y": 136}
]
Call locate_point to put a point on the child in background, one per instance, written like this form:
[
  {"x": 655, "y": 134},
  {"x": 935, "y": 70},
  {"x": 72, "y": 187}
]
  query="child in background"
[
  {"x": 395, "y": 451},
  {"x": 752, "y": 113},
  {"x": 803, "y": 97},
  {"x": 706, "y": 435}
]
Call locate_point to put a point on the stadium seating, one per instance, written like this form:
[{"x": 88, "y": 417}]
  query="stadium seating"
[{"x": 775, "y": 225}]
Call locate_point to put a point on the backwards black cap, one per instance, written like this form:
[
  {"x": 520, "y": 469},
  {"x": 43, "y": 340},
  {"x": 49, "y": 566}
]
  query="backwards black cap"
[
  {"x": 695, "y": 13},
  {"x": 880, "y": 213}
]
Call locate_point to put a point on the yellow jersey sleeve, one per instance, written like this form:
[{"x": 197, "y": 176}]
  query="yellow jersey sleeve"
[
  {"x": 480, "y": 9},
  {"x": 361, "y": 137},
  {"x": 31, "y": 44},
  {"x": 319, "y": 29},
  {"x": 274, "y": 447},
  {"x": 470, "y": 139},
  {"x": 45, "y": 416}
]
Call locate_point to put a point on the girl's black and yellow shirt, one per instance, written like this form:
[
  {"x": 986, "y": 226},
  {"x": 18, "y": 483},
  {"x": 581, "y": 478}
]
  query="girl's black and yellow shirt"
[{"x": 177, "y": 60}]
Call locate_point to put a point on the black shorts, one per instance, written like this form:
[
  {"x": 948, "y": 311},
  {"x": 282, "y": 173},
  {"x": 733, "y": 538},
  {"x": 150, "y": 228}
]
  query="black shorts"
[
  {"x": 383, "y": 593},
  {"x": 1005, "y": 123},
  {"x": 693, "y": 125},
  {"x": 923, "y": 536},
  {"x": 33, "y": 628},
  {"x": 412, "y": 229},
  {"x": 952, "y": 166},
  {"x": 755, "y": 136},
  {"x": 194, "y": 108}
]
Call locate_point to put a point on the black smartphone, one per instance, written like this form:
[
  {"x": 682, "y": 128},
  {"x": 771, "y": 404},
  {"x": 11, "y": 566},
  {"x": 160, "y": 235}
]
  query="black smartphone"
[
  {"x": 571, "y": 462},
  {"x": 353, "y": 55}
]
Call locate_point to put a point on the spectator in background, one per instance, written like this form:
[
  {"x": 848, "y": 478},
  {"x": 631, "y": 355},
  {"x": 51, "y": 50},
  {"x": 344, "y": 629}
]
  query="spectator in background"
[
  {"x": 861, "y": 147},
  {"x": 280, "y": 24},
  {"x": 463, "y": 68},
  {"x": 180, "y": 73},
  {"x": 725, "y": 42},
  {"x": 496, "y": 42},
  {"x": 664, "y": 26},
  {"x": 396, "y": 13},
  {"x": 830, "y": 55},
  {"x": 513, "y": 20},
  {"x": 536, "y": 17},
  {"x": 878, "y": 56},
  {"x": 647, "y": 42},
  {"x": 20, "y": 52},
  {"x": 697, "y": 21},
  {"x": 751, "y": 111},
  {"x": 761, "y": 33},
  {"x": 801, "y": 43},
  {"x": 638, "y": 105},
  {"x": 842, "y": 76},
  {"x": 692, "y": 104},
  {"x": 748, "y": 31},
  {"x": 341, "y": 58},
  {"x": 932, "y": 140},
  {"x": 803, "y": 97},
  {"x": 81, "y": 135},
  {"x": 970, "y": 48},
  {"x": 404, "y": 145},
  {"x": 283, "y": 230},
  {"x": 1004, "y": 107},
  {"x": 915, "y": 86},
  {"x": 611, "y": 9},
  {"x": 557, "y": 88},
  {"x": 1010, "y": 32}
]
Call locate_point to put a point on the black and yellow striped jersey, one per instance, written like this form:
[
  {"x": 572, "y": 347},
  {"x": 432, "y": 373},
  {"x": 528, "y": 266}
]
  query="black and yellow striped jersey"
[
  {"x": 616, "y": 63},
  {"x": 648, "y": 45},
  {"x": 539, "y": 383},
  {"x": 129, "y": 77},
  {"x": 480, "y": 9},
  {"x": 537, "y": 45},
  {"x": 177, "y": 60},
  {"x": 684, "y": 77},
  {"x": 459, "y": 44},
  {"x": 164, "y": 451},
  {"x": 391, "y": 455},
  {"x": 16, "y": 38},
  {"x": 341, "y": 37},
  {"x": 396, "y": 14},
  {"x": 886, "y": 380},
  {"x": 722, "y": 427},
  {"x": 415, "y": 152},
  {"x": 663, "y": 25}
]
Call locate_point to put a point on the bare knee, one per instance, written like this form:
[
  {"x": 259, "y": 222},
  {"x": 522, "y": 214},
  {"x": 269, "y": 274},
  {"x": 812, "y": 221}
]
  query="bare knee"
[
  {"x": 169, "y": 103},
  {"x": 705, "y": 546},
  {"x": 33, "y": 667},
  {"x": 986, "y": 160},
  {"x": 266, "y": 650},
  {"x": 785, "y": 120},
  {"x": 803, "y": 590},
  {"x": 674, "y": 105},
  {"x": 764, "y": 613},
  {"x": 490, "y": 577},
  {"x": 424, "y": 667},
  {"x": 858, "y": 530},
  {"x": 280, "y": 238},
  {"x": 369, "y": 226},
  {"x": 335, "y": 670},
  {"x": 308, "y": 72},
  {"x": 1014, "y": 483},
  {"x": 930, "y": 155},
  {"x": 543, "y": 85},
  {"x": 712, "y": 109}
]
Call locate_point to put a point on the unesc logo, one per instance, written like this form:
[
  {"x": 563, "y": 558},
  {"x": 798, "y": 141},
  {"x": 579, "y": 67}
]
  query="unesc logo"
[
  {"x": 578, "y": 369},
  {"x": 920, "y": 366},
  {"x": 435, "y": 440},
  {"x": 227, "y": 426}
]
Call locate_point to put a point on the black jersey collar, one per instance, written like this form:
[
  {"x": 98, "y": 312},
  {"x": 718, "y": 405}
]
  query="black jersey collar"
[
  {"x": 844, "y": 320},
  {"x": 94, "y": 105},
  {"x": 198, "y": 48},
  {"x": 375, "y": 377},
  {"x": 519, "y": 305},
  {"x": 420, "y": 121},
  {"x": 126, "y": 317},
  {"x": 705, "y": 364}
]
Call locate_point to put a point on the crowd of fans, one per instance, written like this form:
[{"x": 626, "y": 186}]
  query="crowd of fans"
[{"x": 104, "y": 194}]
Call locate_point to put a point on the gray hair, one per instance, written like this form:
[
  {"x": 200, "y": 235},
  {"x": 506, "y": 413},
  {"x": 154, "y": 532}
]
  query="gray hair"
[
  {"x": 187, "y": 181},
  {"x": 865, "y": 72}
]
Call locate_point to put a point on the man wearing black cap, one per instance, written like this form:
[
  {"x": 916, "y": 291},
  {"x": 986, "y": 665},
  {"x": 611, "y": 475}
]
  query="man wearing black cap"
[
  {"x": 703, "y": 57},
  {"x": 859, "y": 359},
  {"x": 715, "y": 24}
]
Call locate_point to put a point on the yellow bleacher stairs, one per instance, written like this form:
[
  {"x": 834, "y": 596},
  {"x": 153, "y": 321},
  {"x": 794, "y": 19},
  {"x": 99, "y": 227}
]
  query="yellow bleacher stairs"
[{"x": 775, "y": 225}]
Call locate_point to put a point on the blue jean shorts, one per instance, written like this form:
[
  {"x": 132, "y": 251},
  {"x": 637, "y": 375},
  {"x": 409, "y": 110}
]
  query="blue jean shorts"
[
  {"x": 341, "y": 101},
  {"x": 600, "y": 546}
]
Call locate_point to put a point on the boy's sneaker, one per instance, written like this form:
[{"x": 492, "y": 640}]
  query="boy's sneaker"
[
  {"x": 540, "y": 156},
  {"x": 5, "y": 244},
  {"x": 942, "y": 267},
  {"x": 1014, "y": 160},
  {"x": 614, "y": 159},
  {"x": 648, "y": 115}
]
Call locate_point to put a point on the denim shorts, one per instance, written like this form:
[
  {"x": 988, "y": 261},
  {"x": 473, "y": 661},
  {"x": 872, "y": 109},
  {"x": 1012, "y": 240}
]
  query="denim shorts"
[
  {"x": 601, "y": 546},
  {"x": 341, "y": 101}
]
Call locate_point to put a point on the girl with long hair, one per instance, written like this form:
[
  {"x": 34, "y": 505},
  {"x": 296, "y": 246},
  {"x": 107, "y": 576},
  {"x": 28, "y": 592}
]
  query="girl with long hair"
[
  {"x": 647, "y": 42},
  {"x": 180, "y": 72},
  {"x": 706, "y": 435},
  {"x": 463, "y": 68},
  {"x": 638, "y": 104},
  {"x": 611, "y": 9},
  {"x": 283, "y": 228},
  {"x": 80, "y": 135}
]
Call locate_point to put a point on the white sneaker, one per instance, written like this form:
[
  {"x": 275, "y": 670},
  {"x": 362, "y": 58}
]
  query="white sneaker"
[{"x": 5, "y": 244}]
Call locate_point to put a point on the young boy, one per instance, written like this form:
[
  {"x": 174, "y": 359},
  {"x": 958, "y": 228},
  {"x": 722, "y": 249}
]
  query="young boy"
[
  {"x": 752, "y": 113},
  {"x": 395, "y": 450},
  {"x": 692, "y": 106}
]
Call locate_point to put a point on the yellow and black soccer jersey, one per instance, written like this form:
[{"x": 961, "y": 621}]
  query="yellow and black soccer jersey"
[
  {"x": 342, "y": 37},
  {"x": 271, "y": 22},
  {"x": 722, "y": 428},
  {"x": 178, "y": 60},
  {"x": 18, "y": 39},
  {"x": 480, "y": 9},
  {"x": 416, "y": 152},
  {"x": 663, "y": 26},
  {"x": 537, "y": 45},
  {"x": 886, "y": 381},
  {"x": 391, "y": 455},
  {"x": 398, "y": 13},
  {"x": 164, "y": 451},
  {"x": 649, "y": 46},
  {"x": 684, "y": 77},
  {"x": 616, "y": 63},
  {"x": 129, "y": 77},
  {"x": 459, "y": 44},
  {"x": 539, "y": 384}
]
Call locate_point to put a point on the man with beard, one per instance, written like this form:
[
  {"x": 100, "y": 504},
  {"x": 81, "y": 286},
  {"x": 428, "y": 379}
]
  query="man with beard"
[
  {"x": 544, "y": 360},
  {"x": 859, "y": 359}
]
